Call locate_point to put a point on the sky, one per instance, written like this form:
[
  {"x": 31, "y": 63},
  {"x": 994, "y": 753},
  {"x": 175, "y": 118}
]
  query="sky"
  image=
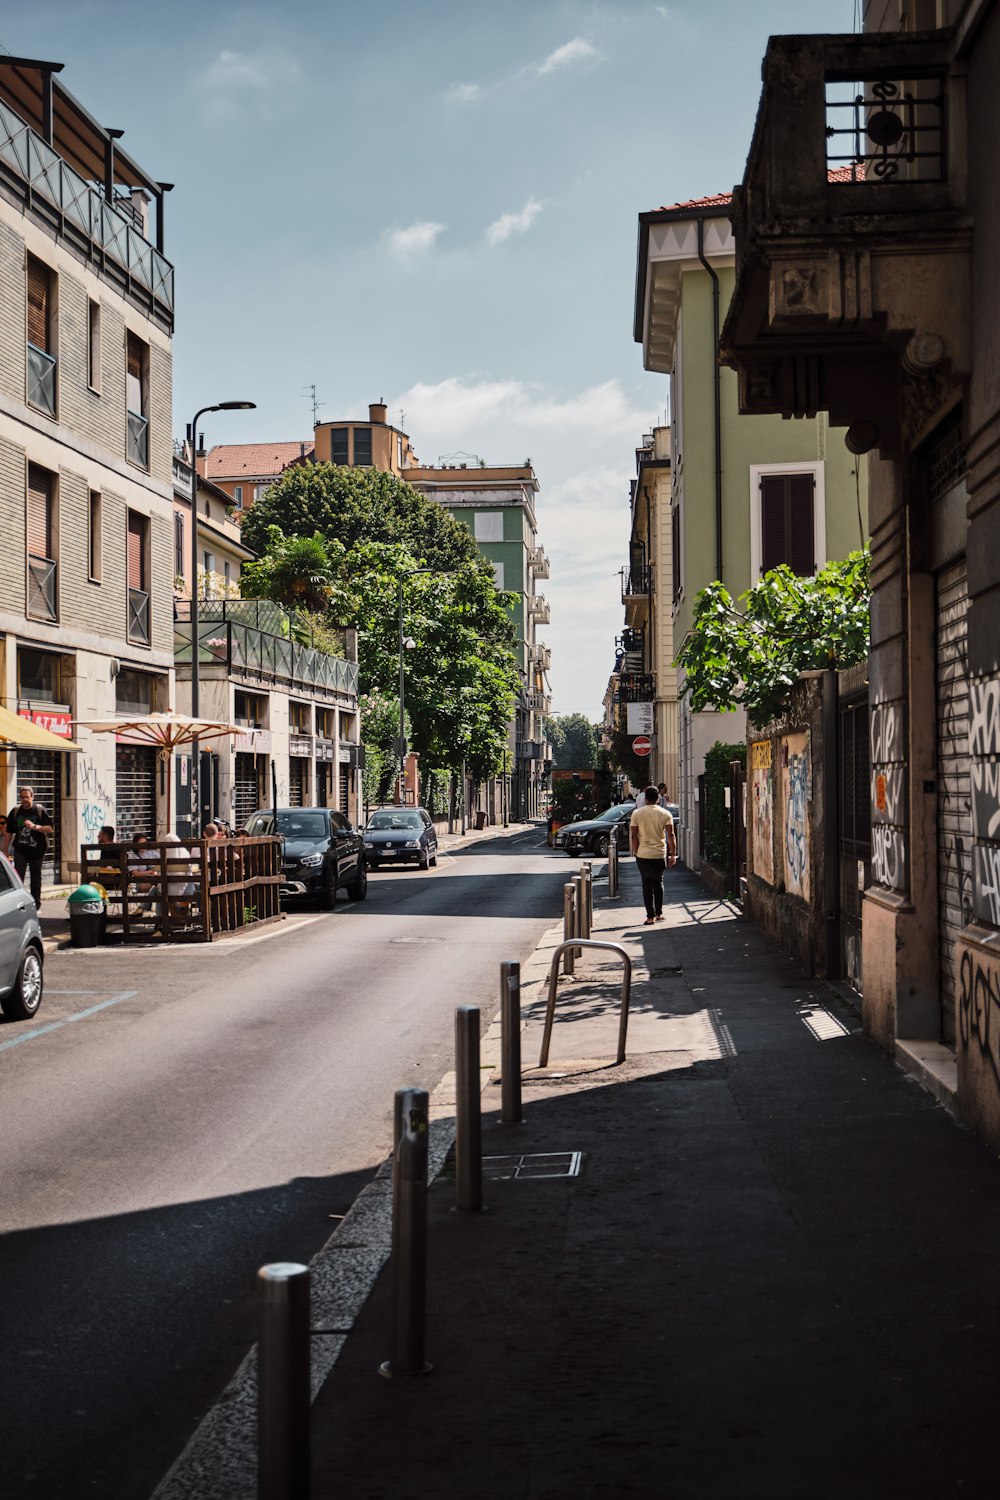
[{"x": 432, "y": 202}]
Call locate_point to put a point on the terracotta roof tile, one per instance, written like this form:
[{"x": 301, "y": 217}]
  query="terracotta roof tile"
[
  {"x": 239, "y": 460},
  {"x": 718, "y": 200}
]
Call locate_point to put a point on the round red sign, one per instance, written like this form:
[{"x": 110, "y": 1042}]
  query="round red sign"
[{"x": 642, "y": 745}]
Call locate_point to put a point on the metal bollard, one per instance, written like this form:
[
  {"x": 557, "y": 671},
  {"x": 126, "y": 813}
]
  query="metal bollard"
[
  {"x": 587, "y": 905},
  {"x": 409, "y": 1235},
  {"x": 569, "y": 923},
  {"x": 468, "y": 1111},
  {"x": 283, "y": 1382},
  {"x": 510, "y": 1043}
]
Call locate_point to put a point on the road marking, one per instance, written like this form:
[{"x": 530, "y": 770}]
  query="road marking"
[{"x": 81, "y": 1015}]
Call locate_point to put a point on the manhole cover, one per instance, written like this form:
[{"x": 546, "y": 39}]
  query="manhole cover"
[{"x": 533, "y": 1164}]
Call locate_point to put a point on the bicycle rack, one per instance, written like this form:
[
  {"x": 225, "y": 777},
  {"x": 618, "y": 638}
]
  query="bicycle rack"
[{"x": 550, "y": 1009}]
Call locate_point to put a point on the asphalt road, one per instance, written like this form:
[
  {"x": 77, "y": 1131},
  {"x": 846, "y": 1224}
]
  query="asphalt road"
[{"x": 170, "y": 1121}]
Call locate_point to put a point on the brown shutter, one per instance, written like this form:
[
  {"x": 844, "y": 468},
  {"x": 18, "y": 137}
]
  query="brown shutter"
[
  {"x": 38, "y": 305},
  {"x": 801, "y": 537},
  {"x": 675, "y": 547},
  {"x": 772, "y": 522},
  {"x": 39, "y": 512},
  {"x": 136, "y": 537}
]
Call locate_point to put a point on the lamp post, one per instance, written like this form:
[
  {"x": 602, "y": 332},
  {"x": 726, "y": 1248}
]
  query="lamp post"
[{"x": 200, "y": 813}]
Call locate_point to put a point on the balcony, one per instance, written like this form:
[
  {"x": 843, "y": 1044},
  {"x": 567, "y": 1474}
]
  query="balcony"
[
  {"x": 853, "y": 237},
  {"x": 540, "y": 656},
  {"x": 636, "y": 687},
  {"x": 41, "y": 381},
  {"x": 538, "y": 562},
  {"x": 138, "y": 616},
  {"x": 529, "y": 750},
  {"x": 137, "y": 439},
  {"x": 81, "y": 214},
  {"x": 42, "y": 594},
  {"x": 637, "y": 583},
  {"x": 538, "y": 703},
  {"x": 257, "y": 641},
  {"x": 538, "y": 609}
]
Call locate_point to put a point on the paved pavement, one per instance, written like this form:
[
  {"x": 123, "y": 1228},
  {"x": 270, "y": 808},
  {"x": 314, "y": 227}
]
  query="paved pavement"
[{"x": 772, "y": 1275}]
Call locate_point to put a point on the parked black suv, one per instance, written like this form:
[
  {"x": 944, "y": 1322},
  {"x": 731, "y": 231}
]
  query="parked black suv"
[{"x": 321, "y": 852}]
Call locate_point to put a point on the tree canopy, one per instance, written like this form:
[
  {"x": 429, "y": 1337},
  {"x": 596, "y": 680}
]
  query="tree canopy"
[
  {"x": 574, "y": 742},
  {"x": 751, "y": 657},
  {"x": 353, "y": 506}
]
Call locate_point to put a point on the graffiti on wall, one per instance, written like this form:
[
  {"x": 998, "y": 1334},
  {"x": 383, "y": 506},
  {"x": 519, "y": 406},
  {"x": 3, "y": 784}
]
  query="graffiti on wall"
[
  {"x": 97, "y": 805},
  {"x": 888, "y": 791},
  {"x": 979, "y": 1005},
  {"x": 762, "y": 792},
  {"x": 795, "y": 797},
  {"x": 984, "y": 716},
  {"x": 984, "y": 746}
]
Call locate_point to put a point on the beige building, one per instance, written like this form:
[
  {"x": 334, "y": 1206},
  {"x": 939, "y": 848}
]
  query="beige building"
[
  {"x": 243, "y": 471},
  {"x": 220, "y": 550},
  {"x": 86, "y": 627}
]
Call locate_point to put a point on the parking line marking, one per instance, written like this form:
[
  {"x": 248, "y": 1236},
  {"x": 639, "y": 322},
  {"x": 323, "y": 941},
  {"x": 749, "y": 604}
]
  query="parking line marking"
[{"x": 81, "y": 1015}]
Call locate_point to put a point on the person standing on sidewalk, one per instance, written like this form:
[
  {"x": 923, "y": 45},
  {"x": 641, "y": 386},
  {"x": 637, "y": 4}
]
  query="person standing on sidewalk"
[
  {"x": 654, "y": 844},
  {"x": 26, "y": 824}
]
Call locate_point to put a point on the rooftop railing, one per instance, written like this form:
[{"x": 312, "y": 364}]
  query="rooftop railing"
[{"x": 254, "y": 638}]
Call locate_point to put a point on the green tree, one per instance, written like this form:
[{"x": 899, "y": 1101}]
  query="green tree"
[
  {"x": 299, "y": 572},
  {"x": 574, "y": 742},
  {"x": 354, "y": 506},
  {"x": 751, "y": 657}
]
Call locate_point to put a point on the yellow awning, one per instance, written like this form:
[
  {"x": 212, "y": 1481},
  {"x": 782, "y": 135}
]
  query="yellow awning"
[{"x": 20, "y": 734}]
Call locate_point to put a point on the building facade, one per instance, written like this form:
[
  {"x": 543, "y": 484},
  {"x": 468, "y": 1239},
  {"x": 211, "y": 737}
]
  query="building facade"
[
  {"x": 243, "y": 471},
  {"x": 86, "y": 628},
  {"x": 746, "y": 491},
  {"x": 867, "y": 287}
]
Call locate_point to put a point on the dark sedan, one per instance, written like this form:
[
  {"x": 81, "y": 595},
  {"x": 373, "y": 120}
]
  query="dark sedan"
[
  {"x": 593, "y": 835},
  {"x": 401, "y": 835},
  {"x": 321, "y": 852}
]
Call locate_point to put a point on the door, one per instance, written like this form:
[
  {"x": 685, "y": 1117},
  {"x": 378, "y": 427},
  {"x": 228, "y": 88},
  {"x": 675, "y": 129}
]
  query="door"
[
  {"x": 298, "y": 781},
  {"x": 135, "y": 791},
  {"x": 954, "y": 786},
  {"x": 41, "y": 770},
  {"x": 854, "y": 851},
  {"x": 345, "y": 843},
  {"x": 246, "y": 794}
]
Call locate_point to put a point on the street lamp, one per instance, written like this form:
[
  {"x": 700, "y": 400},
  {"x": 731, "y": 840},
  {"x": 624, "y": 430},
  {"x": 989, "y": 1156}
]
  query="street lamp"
[{"x": 201, "y": 813}]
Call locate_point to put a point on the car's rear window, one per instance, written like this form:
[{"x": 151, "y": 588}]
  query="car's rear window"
[{"x": 385, "y": 822}]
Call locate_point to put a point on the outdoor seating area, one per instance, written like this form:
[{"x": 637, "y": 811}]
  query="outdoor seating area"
[{"x": 185, "y": 892}]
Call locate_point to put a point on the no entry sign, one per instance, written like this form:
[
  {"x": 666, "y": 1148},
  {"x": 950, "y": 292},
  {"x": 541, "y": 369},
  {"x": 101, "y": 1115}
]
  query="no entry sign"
[{"x": 642, "y": 744}]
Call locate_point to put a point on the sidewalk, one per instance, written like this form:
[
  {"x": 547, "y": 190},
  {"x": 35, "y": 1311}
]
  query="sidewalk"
[{"x": 773, "y": 1276}]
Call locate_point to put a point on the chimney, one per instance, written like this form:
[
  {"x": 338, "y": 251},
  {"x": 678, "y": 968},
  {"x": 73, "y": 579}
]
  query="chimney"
[{"x": 377, "y": 412}]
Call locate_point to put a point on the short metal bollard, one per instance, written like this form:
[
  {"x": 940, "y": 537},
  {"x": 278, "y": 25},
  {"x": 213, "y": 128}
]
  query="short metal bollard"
[
  {"x": 510, "y": 1043},
  {"x": 468, "y": 1111},
  {"x": 283, "y": 1382},
  {"x": 409, "y": 1236},
  {"x": 587, "y": 906},
  {"x": 613, "y": 867},
  {"x": 569, "y": 924}
]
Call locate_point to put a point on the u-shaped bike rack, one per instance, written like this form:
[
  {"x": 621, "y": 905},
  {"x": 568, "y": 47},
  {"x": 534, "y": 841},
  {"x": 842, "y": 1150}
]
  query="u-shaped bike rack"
[{"x": 550, "y": 1009}]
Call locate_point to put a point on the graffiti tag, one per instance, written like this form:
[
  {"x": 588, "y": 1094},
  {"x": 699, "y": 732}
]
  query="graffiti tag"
[{"x": 978, "y": 1006}]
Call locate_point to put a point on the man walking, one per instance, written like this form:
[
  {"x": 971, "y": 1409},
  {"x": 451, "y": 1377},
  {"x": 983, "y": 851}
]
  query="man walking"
[
  {"x": 651, "y": 834},
  {"x": 25, "y": 831}
]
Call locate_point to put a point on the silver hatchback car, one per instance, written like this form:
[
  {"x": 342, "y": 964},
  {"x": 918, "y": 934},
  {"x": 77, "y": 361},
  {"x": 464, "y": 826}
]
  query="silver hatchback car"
[{"x": 20, "y": 948}]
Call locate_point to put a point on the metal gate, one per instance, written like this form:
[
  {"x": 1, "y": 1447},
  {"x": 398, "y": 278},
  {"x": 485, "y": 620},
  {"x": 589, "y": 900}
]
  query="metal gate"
[
  {"x": 246, "y": 789},
  {"x": 298, "y": 781},
  {"x": 344, "y": 780},
  {"x": 854, "y": 837},
  {"x": 41, "y": 770},
  {"x": 954, "y": 794},
  {"x": 135, "y": 791}
]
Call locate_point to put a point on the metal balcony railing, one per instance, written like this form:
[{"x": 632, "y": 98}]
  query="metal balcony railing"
[
  {"x": 42, "y": 575},
  {"x": 138, "y": 616},
  {"x": 636, "y": 582},
  {"x": 234, "y": 633},
  {"x": 41, "y": 381},
  {"x": 79, "y": 211},
  {"x": 636, "y": 687},
  {"x": 137, "y": 439}
]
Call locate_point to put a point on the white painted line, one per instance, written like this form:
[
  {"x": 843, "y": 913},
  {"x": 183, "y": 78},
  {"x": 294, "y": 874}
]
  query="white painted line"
[
  {"x": 81, "y": 1015},
  {"x": 823, "y": 1024}
]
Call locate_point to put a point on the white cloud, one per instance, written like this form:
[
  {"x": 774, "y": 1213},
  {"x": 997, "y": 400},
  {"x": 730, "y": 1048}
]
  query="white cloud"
[
  {"x": 456, "y": 412},
  {"x": 518, "y": 223},
  {"x": 578, "y": 50},
  {"x": 464, "y": 93},
  {"x": 413, "y": 240},
  {"x": 264, "y": 70}
]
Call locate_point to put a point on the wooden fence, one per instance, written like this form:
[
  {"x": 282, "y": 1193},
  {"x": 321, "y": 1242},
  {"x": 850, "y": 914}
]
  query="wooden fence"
[{"x": 186, "y": 892}]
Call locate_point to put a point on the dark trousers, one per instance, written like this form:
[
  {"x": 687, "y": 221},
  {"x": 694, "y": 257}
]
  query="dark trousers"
[
  {"x": 25, "y": 859},
  {"x": 651, "y": 875}
]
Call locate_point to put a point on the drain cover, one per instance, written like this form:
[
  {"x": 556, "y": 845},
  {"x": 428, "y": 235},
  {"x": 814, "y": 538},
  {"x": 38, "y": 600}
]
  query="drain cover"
[{"x": 533, "y": 1164}]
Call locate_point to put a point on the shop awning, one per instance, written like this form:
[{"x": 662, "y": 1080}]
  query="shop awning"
[{"x": 20, "y": 734}]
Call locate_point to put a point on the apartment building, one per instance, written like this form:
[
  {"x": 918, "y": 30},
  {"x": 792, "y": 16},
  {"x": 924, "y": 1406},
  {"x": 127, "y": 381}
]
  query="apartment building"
[
  {"x": 243, "y": 471},
  {"x": 747, "y": 491},
  {"x": 86, "y": 627}
]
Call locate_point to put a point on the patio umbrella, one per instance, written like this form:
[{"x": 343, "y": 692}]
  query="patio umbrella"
[
  {"x": 17, "y": 733},
  {"x": 166, "y": 731}
]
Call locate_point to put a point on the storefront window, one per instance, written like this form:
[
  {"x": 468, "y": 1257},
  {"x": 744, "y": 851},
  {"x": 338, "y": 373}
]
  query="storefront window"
[
  {"x": 37, "y": 676},
  {"x": 133, "y": 692}
]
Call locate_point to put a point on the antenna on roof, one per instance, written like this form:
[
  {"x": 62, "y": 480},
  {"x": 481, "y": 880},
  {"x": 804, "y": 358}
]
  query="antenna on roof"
[{"x": 310, "y": 391}]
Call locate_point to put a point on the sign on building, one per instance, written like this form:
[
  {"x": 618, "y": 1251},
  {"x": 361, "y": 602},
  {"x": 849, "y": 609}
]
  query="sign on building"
[{"x": 639, "y": 718}]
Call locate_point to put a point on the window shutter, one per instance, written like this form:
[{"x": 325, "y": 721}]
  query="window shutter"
[
  {"x": 675, "y": 548},
  {"x": 133, "y": 376},
  {"x": 772, "y": 521},
  {"x": 135, "y": 550},
  {"x": 39, "y": 512},
  {"x": 38, "y": 305},
  {"x": 178, "y": 544},
  {"x": 801, "y": 537}
]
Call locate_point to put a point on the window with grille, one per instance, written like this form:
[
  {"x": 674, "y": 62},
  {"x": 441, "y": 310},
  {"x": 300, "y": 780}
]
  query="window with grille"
[
  {"x": 137, "y": 401},
  {"x": 788, "y": 522},
  {"x": 362, "y": 447},
  {"x": 41, "y": 349}
]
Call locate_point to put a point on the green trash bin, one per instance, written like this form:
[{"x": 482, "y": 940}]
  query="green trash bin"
[{"x": 86, "y": 917}]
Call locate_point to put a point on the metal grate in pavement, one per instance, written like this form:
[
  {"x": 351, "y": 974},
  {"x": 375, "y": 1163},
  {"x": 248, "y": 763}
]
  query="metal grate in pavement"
[{"x": 533, "y": 1164}]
